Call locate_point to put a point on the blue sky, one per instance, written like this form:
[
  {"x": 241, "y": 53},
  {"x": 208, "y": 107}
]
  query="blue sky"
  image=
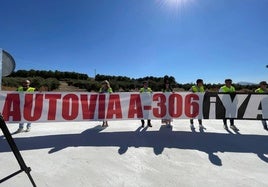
[{"x": 187, "y": 39}]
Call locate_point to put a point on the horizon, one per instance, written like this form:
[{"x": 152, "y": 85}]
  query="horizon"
[{"x": 239, "y": 82}]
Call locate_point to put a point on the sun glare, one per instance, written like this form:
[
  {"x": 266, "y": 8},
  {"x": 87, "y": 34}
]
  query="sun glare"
[{"x": 174, "y": 6}]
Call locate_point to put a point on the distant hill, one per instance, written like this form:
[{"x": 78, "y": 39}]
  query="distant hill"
[
  {"x": 72, "y": 81},
  {"x": 246, "y": 83},
  {"x": 64, "y": 87}
]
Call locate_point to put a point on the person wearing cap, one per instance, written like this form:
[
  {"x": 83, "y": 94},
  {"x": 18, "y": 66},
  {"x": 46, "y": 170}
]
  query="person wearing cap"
[
  {"x": 228, "y": 88},
  {"x": 198, "y": 88},
  {"x": 145, "y": 89},
  {"x": 25, "y": 88},
  {"x": 263, "y": 89},
  {"x": 105, "y": 88},
  {"x": 167, "y": 88}
]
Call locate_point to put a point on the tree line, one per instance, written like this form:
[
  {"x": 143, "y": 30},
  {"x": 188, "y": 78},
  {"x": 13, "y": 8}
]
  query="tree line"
[
  {"x": 49, "y": 74},
  {"x": 50, "y": 80}
]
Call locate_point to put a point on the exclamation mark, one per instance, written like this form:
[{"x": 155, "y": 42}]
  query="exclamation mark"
[{"x": 212, "y": 108}]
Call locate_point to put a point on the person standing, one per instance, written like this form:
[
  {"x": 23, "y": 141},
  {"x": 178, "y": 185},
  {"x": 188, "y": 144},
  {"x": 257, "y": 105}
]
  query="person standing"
[
  {"x": 105, "y": 88},
  {"x": 263, "y": 89},
  {"x": 146, "y": 89},
  {"x": 198, "y": 88},
  {"x": 228, "y": 88},
  {"x": 166, "y": 89},
  {"x": 25, "y": 88}
]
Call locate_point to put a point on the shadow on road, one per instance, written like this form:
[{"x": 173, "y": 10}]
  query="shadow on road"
[{"x": 209, "y": 143}]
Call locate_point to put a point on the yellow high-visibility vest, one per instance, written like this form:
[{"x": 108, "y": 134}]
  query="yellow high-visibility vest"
[
  {"x": 198, "y": 89},
  {"x": 227, "y": 89},
  {"x": 30, "y": 89}
]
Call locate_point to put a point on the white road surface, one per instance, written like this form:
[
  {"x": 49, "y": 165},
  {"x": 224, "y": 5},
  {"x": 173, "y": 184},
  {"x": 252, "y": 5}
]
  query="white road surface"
[{"x": 83, "y": 154}]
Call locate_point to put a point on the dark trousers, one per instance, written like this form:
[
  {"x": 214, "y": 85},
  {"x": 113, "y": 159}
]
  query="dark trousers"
[
  {"x": 264, "y": 123},
  {"x": 148, "y": 121},
  {"x": 199, "y": 121},
  {"x": 225, "y": 121}
]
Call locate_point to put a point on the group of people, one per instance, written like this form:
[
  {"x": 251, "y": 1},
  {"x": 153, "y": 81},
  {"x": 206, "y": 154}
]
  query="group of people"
[
  {"x": 197, "y": 88},
  {"x": 228, "y": 88}
]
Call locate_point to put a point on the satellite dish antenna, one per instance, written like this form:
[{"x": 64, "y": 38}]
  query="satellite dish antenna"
[{"x": 7, "y": 65}]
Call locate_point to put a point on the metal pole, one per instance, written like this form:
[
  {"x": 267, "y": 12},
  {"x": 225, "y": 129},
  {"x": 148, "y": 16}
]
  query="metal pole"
[{"x": 16, "y": 152}]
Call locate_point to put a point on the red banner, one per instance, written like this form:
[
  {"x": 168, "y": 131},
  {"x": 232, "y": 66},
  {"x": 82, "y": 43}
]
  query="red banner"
[
  {"x": 82, "y": 106},
  {"x": 64, "y": 106}
]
